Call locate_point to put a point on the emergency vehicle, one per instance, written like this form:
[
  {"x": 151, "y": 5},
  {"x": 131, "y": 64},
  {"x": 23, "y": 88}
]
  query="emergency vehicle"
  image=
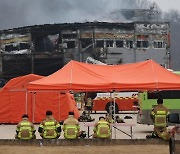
[
  {"x": 110, "y": 102},
  {"x": 148, "y": 99},
  {"x": 122, "y": 101}
]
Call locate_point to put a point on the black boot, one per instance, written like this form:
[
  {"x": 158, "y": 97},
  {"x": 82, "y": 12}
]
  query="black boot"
[{"x": 154, "y": 135}]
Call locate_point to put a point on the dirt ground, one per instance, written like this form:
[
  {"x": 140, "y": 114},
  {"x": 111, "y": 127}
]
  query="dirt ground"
[{"x": 125, "y": 149}]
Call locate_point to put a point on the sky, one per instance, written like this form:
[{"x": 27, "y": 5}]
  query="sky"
[
  {"x": 166, "y": 5},
  {"x": 19, "y": 13}
]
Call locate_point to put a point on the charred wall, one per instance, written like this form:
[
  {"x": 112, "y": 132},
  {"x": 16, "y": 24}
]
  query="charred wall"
[{"x": 43, "y": 49}]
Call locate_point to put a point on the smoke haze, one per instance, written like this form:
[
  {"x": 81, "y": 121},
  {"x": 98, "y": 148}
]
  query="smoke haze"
[{"x": 19, "y": 13}]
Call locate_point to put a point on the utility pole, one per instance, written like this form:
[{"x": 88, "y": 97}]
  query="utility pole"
[
  {"x": 1, "y": 60},
  {"x": 79, "y": 46},
  {"x": 134, "y": 45},
  {"x": 1, "y": 64},
  {"x": 32, "y": 58},
  {"x": 93, "y": 40}
]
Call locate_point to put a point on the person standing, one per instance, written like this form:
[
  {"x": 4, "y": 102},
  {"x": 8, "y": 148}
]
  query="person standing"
[
  {"x": 159, "y": 115},
  {"x": 71, "y": 127},
  {"x": 25, "y": 129},
  {"x": 50, "y": 127},
  {"x": 102, "y": 129}
]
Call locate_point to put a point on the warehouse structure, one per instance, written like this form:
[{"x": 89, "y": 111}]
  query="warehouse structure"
[{"x": 43, "y": 49}]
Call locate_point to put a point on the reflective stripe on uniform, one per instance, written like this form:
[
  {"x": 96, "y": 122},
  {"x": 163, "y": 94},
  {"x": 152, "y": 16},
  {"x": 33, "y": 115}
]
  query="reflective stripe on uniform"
[
  {"x": 25, "y": 130},
  {"x": 103, "y": 130},
  {"x": 71, "y": 131},
  {"x": 50, "y": 129},
  {"x": 161, "y": 112},
  {"x": 152, "y": 113},
  {"x": 160, "y": 119}
]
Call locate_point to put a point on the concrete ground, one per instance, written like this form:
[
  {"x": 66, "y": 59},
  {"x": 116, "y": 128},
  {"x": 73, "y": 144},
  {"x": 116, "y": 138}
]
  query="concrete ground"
[{"x": 139, "y": 131}]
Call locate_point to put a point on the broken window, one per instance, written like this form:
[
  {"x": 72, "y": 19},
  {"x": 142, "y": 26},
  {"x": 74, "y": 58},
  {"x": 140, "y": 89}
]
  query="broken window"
[
  {"x": 129, "y": 44},
  {"x": 23, "y": 46},
  {"x": 158, "y": 44},
  {"x": 69, "y": 36},
  {"x": 143, "y": 37},
  {"x": 109, "y": 43},
  {"x": 86, "y": 43},
  {"x": 142, "y": 44},
  {"x": 119, "y": 43},
  {"x": 43, "y": 44},
  {"x": 70, "y": 44},
  {"x": 10, "y": 48},
  {"x": 100, "y": 43}
]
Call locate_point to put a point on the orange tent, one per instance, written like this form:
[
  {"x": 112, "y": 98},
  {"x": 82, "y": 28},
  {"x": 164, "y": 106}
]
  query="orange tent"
[
  {"x": 15, "y": 101},
  {"x": 77, "y": 76}
]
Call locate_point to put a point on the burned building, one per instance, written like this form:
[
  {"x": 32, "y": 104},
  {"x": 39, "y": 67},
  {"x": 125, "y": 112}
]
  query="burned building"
[{"x": 43, "y": 49}]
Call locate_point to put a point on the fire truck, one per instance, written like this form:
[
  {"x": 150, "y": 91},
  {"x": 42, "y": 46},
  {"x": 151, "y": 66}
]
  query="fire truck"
[
  {"x": 117, "y": 101},
  {"x": 110, "y": 102}
]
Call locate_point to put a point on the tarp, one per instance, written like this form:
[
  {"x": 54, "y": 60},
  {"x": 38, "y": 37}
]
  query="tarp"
[
  {"x": 78, "y": 76},
  {"x": 15, "y": 101}
]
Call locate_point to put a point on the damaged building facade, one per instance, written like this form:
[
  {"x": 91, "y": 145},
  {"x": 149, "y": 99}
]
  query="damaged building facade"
[{"x": 43, "y": 49}]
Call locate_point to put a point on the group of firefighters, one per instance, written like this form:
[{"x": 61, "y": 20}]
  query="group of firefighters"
[{"x": 50, "y": 128}]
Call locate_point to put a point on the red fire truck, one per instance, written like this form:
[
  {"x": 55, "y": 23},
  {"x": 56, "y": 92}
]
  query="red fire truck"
[{"x": 122, "y": 101}]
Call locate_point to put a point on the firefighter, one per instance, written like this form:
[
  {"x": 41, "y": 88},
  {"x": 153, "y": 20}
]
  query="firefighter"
[
  {"x": 159, "y": 115},
  {"x": 25, "y": 129},
  {"x": 71, "y": 128},
  {"x": 89, "y": 105},
  {"x": 88, "y": 109},
  {"x": 102, "y": 129},
  {"x": 49, "y": 128},
  {"x": 89, "y": 101},
  {"x": 109, "y": 118}
]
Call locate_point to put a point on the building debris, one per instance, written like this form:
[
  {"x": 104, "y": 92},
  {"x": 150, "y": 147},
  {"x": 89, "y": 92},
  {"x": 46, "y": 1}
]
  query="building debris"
[{"x": 43, "y": 49}]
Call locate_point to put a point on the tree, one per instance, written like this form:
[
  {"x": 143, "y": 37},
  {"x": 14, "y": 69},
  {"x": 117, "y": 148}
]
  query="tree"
[
  {"x": 136, "y": 10},
  {"x": 172, "y": 16}
]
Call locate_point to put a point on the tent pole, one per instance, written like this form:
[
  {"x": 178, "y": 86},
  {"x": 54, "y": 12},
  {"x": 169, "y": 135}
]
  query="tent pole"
[
  {"x": 59, "y": 105},
  {"x": 111, "y": 103},
  {"x": 34, "y": 99},
  {"x": 114, "y": 105},
  {"x": 26, "y": 103},
  {"x": 110, "y": 111},
  {"x": 114, "y": 113}
]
